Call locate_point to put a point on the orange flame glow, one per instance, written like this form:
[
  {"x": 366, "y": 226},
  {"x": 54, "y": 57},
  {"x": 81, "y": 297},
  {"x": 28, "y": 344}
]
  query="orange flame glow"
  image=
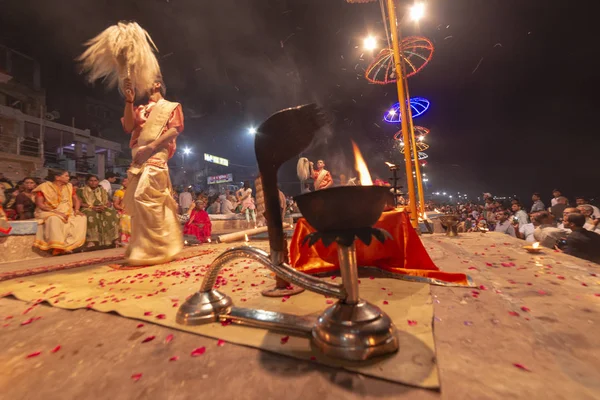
[
  {"x": 361, "y": 167},
  {"x": 535, "y": 245}
]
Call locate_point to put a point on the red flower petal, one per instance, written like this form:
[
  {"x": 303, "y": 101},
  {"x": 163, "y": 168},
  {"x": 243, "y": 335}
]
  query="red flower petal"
[
  {"x": 161, "y": 316},
  {"x": 481, "y": 287},
  {"x": 488, "y": 264},
  {"x": 526, "y": 309},
  {"x": 472, "y": 268},
  {"x": 174, "y": 358},
  {"x": 583, "y": 284},
  {"x": 513, "y": 313},
  {"x": 226, "y": 322},
  {"x": 411, "y": 322},
  {"x": 35, "y": 354},
  {"x": 168, "y": 338},
  {"x": 148, "y": 339},
  {"x": 221, "y": 343},
  {"x": 541, "y": 292},
  {"x": 198, "y": 352},
  {"x": 136, "y": 377},
  {"x": 521, "y": 366},
  {"x": 148, "y": 313},
  {"x": 385, "y": 302},
  {"x": 139, "y": 325},
  {"x": 285, "y": 339},
  {"x": 329, "y": 301},
  {"x": 562, "y": 278},
  {"x": 313, "y": 358},
  {"x": 54, "y": 350}
]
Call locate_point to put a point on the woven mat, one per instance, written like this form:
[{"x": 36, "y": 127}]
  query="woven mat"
[{"x": 154, "y": 294}]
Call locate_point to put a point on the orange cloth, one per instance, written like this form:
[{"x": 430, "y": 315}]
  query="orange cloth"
[
  {"x": 404, "y": 255},
  {"x": 142, "y": 113}
]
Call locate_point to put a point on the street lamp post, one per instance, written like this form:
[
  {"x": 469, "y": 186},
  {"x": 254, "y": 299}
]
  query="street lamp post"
[{"x": 402, "y": 98}]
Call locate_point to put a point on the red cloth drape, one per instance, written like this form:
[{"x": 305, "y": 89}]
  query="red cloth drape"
[
  {"x": 191, "y": 227},
  {"x": 405, "y": 254}
]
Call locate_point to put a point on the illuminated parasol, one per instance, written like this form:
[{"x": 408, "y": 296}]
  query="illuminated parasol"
[
  {"x": 417, "y": 51},
  {"x": 418, "y": 105}
]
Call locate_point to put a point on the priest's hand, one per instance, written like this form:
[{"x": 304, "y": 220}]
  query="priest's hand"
[
  {"x": 143, "y": 153},
  {"x": 128, "y": 90}
]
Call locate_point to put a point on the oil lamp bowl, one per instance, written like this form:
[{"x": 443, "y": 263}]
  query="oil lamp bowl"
[{"x": 343, "y": 208}]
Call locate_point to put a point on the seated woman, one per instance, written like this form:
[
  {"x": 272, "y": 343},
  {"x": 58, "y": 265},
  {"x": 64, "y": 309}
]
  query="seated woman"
[
  {"x": 199, "y": 223},
  {"x": 25, "y": 201},
  {"x": 125, "y": 219},
  {"x": 102, "y": 221},
  {"x": 61, "y": 227}
]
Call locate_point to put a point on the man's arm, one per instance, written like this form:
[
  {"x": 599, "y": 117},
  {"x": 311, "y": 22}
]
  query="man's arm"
[{"x": 128, "y": 112}]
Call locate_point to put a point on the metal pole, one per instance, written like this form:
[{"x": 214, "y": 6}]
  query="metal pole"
[
  {"x": 395, "y": 29},
  {"x": 416, "y": 154}
]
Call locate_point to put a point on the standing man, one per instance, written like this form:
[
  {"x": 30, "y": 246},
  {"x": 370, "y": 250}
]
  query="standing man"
[
  {"x": 107, "y": 182},
  {"x": 555, "y": 195},
  {"x": 321, "y": 176},
  {"x": 519, "y": 214},
  {"x": 582, "y": 243},
  {"x": 155, "y": 232},
  {"x": 537, "y": 203},
  {"x": 186, "y": 200}
]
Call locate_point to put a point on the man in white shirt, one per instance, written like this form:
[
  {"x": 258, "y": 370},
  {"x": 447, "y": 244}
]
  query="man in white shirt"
[
  {"x": 556, "y": 194},
  {"x": 107, "y": 182},
  {"x": 186, "y": 200},
  {"x": 566, "y": 212},
  {"x": 547, "y": 233},
  {"x": 519, "y": 214},
  {"x": 503, "y": 224},
  {"x": 591, "y": 224},
  {"x": 583, "y": 201},
  {"x": 226, "y": 206}
]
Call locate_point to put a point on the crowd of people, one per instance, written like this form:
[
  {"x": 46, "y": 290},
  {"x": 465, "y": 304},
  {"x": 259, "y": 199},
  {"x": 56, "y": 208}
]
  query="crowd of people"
[
  {"x": 74, "y": 214},
  {"x": 90, "y": 215},
  {"x": 71, "y": 215},
  {"x": 560, "y": 225}
]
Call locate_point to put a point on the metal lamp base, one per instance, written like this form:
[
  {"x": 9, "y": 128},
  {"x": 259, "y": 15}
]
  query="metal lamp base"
[
  {"x": 203, "y": 307},
  {"x": 355, "y": 332}
]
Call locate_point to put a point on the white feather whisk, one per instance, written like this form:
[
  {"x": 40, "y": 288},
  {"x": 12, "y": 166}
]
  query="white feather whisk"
[
  {"x": 302, "y": 169},
  {"x": 120, "y": 51}
]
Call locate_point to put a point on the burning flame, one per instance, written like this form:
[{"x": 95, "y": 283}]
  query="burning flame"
[
  {"x": 208, "y": 240},
  {"x": 436, "y": 210},
  {"x": 536, "y": 245},
  {"x": 246, "y": 237},
  {"x": 361, "y": 167},
  {"x": 389, "y": 164}
]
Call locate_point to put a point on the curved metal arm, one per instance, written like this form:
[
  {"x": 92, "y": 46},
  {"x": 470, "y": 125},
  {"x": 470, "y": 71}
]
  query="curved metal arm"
[{"x": 283, "y": 271}]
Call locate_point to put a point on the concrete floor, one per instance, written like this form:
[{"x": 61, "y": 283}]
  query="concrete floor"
[{"x": 478, "y": 342}]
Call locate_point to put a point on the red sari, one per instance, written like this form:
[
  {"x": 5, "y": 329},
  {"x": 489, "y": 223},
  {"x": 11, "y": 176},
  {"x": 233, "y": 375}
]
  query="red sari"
[{"x": 191, "y": 227}]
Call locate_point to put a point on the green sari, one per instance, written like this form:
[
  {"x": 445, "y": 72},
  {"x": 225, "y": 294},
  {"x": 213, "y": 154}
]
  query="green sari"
[{"x": 102, "y": 227}]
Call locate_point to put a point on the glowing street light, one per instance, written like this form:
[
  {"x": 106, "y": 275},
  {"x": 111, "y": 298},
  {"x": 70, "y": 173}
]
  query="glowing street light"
[
  {"x": 421, "y": 138},
  {"x": 370, "y": 43},
  {"x": 252, "y": 130},
  {"x": 417, "y": 11},
  {"x": 187, "y": 151}
]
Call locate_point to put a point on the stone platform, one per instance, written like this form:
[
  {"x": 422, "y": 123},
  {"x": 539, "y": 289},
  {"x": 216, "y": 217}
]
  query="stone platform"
[{"x": 529, "y": 331}]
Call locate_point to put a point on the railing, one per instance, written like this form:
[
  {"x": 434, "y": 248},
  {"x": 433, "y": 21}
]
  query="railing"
[{"x": 30, "y": 147}]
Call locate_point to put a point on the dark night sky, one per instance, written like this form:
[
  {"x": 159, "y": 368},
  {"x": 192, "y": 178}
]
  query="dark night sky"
[{"x": 520, "y": 122}]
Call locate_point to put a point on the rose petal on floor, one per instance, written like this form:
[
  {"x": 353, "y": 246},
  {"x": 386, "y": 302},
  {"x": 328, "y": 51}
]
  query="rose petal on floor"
[{"x": 198, "y": 352}]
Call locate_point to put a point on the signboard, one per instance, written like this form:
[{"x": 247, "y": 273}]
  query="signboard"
[
  {"x": 216, "y": 160},
  {"x": 213, "y": 180}
]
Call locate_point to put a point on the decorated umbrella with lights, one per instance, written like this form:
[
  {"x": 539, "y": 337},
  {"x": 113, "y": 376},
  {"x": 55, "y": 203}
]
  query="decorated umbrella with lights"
[
  {"x": 417, "y": 51},
  {"x": 418, "y": 105}
]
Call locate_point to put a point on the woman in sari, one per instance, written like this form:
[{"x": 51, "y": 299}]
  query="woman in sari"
[
  {"x": 25, "y": 202},
  {"x": 102, "y": 221},
  {"x": 199, "y": 223},
  {"x": 125, "y": 219},
  {"x": 61, "y": 227}
]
